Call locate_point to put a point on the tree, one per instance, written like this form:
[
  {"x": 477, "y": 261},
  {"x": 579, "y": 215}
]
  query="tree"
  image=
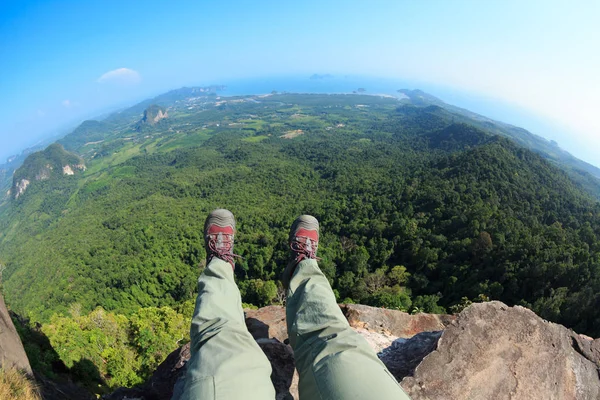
[
  {"x": 394, "y": 298},
  {"x": 156, "y": 332},
  {"x": 258, "y": 292},
  {"x": 398, "y": 276}
]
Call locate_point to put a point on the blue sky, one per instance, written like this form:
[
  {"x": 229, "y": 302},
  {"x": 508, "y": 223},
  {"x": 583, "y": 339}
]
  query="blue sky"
[{"x": 62, "y": 61}]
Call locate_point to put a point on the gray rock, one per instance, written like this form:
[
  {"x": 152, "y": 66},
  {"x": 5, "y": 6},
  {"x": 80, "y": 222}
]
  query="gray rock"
[
  {"x": 493, "y": 351},
  {"x": 490, "y": 351},
  {"x": 267, "y": 322},
  {"x": 393, "y": 322},
  {"x": 12, "y": 354}
]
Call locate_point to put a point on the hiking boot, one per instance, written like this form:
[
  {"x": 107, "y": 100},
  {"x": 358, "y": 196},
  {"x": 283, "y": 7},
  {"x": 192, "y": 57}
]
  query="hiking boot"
[
  {"x": 304, "y": 238},
  {"x": 219, "y": 231},
  {"x": 304, "y": 242}
]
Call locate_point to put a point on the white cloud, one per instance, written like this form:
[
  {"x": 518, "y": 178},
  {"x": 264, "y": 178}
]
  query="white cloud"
[
  {"x": 69, "y": 104},
  {"x": 41, "y": 113},
  {"x": 120, "y": 76}
]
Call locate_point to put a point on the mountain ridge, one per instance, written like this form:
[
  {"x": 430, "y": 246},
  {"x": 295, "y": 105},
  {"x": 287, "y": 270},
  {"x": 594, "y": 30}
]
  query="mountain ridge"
[
  {"x": 587, "y": 175},
  {"x": 577, "y": 169}
]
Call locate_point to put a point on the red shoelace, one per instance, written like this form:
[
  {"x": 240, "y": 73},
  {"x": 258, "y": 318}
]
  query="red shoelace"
[
  {"x": 221, "y": 246},
  {"x": 304, "y": 247}
]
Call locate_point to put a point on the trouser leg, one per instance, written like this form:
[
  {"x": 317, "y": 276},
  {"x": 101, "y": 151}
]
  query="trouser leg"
[
  {"x": 225, "y": 361},
  {"x": 333, "y": 361}
]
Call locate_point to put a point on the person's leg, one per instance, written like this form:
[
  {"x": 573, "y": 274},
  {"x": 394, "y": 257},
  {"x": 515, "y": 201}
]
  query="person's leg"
[
  {"x": 225, "y": 361},
  {"x": 333, "y": 361}
]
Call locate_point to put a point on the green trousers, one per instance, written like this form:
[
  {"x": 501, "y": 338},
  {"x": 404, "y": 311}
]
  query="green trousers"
[{"x": 333, "y": 361}]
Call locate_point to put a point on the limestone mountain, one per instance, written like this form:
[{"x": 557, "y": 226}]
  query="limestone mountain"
[
  {"x": 152, "y": 116},
  {"x": 52, "y": 162},
  {"x": 10, "y": 166}
]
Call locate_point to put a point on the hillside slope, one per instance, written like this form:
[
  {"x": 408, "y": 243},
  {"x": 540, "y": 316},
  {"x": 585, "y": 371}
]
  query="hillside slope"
[
  {"x": 7, "y": 170},
  {"x": 51, "y": 163},
  {"x": 587, "y": 175},
  {"x": 418, "y": 211}
]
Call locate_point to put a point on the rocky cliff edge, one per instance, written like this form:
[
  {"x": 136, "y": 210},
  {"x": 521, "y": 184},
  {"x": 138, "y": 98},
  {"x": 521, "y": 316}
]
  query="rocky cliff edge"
[
  {"x": 12, "y": 354},
  {"x": 489, "y": 351}
]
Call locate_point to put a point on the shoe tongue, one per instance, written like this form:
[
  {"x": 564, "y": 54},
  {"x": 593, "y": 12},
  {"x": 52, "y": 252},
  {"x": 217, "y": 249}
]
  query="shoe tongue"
[
  {"x": 308, "y": 243},
  {"x": 223, "y": 242},
  {"x": 219, "y": 241}
]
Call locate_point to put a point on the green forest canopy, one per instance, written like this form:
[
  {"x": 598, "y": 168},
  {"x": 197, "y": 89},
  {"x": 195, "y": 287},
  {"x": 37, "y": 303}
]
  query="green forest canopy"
[{"x": 418, "y": 212}]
